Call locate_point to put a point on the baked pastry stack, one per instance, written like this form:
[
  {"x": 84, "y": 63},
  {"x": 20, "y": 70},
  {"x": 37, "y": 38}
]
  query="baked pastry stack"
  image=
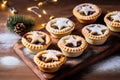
[
  {"x": 96, "y": 34},
  {"x": 36, "y": 41},
  {"x": 60, "y": 27},
  {"x": 112, "y": 20},
  {"x": 49, "y": 60},
  {"x": 87, "y": 12}
]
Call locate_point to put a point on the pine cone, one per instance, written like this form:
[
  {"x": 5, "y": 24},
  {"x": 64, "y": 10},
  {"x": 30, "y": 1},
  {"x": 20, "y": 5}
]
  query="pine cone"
[{"x": 20, "y": 29}]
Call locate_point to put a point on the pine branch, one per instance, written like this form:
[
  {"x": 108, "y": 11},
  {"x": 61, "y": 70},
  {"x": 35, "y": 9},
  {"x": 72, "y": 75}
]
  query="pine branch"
[{"x": 13, "y": 20}]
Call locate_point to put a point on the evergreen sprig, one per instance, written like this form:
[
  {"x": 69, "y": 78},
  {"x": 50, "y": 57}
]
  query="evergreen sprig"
[{"x": 13, "y": 20}]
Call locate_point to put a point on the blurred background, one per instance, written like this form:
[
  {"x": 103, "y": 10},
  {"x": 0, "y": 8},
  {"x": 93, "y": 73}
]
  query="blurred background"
[{"x": 106, "y": 69}]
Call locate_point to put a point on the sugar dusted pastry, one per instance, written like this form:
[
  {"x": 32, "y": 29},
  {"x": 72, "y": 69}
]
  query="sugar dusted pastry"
[
  {"x": 112, "y": 20},
  {"x": 72, "y": 45},
  {"x": 49, "y": 60},
  {"x": 36, "y": 41},
  {"x": 87, "y": 12},
  {"x": 60, "y": 27},
  {"x": 96, "y": 34}
]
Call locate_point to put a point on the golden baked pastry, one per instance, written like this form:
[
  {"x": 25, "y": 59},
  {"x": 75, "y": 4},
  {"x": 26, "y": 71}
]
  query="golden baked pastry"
[
  {"x": 36, "y": 41},
  {"x": 60, "y": 27},
  {"x": 96, "y": 34},
  {"x": 72, "y": 45},
  {"x": 49, "y": 60},
  {"x": 87, "y": 12},
  {"x": 112, "y": 20}
]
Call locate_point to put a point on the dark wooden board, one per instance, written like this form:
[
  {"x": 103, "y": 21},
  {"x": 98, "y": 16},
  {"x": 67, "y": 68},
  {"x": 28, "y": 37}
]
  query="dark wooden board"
[{"x": 91, "y": 55}]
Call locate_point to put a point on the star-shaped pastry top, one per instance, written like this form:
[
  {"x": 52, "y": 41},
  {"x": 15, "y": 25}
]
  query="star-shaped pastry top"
[
  {"x": 116, "y": 17},
  {"x": 60, "y": 23},
  {"x": 85, "y": 9},
  {"x": 97, "y": 29},
  {"x": 72, "y": 40},
  {"x": 50, "y": 55},
  {"x": 37, "y": 37}
]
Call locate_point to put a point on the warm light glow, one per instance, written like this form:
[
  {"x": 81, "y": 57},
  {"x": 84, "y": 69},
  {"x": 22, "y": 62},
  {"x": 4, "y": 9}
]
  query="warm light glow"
[
  {"x": 43, "y": 24},
  {"x": 4, "y": 2},
  {"x": 34, "y": 7},
  {"x": 39, "y": 16},
  {"x": 54, "y": 0},
  {"x": 3, "y": 5},
  {"x": 12, "y": 11},
  {"x": 29, "y": 9},
  {"x": 35, "y": 0},
  {"x": 51, "y": 17},
  {"x": 44, "y": 12},
  {"x": 40, "y": 3}
]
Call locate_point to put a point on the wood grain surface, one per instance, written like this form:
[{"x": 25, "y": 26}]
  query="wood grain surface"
[
  {"x": 61, "y": 8},
  {"x": 91, "y": 55}
]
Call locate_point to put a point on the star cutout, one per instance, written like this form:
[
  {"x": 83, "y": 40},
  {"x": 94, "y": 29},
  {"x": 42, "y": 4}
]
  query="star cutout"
[
  {"x": 72, "y": 40},
  {"x": 50, "y": 55},
  {"x": 37, "y": 37},
  {"x": 97, "y": 29},
  {"x": 85, "y": 9},
  {"x": 63, "y": 23},
  {"x": 116, "y": 17}
]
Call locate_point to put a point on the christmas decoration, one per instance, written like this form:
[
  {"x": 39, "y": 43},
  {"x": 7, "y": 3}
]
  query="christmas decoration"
[
  {"x": 20, "y": 29},
  {"x": 20, "y": 24},
  {"x": 5, "y": 5},
  {"x": 13, "y": 10},
  {"x": 46, "y": 1},
  {"x": 44, "y": 12},
  {"x": 34, "y": 7}
]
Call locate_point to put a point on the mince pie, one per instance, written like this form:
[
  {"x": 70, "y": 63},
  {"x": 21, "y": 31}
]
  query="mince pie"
[
  {"x": 60, "y": 27},
  {"x": 36, "y": 41},
  {"x": 72, "y": 45},
  {"x": 49, "y": 60},
  {"x": 112, "y": 20},
  {"x": 87, "y": 12},
  {"x": 96, "y": 34}
]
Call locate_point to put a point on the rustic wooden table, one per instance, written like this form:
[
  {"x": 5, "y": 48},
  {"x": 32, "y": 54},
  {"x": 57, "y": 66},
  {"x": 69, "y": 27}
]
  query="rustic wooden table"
[{"x": 13, "y": 68}]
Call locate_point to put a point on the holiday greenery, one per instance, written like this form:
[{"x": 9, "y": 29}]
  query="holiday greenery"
[
  {"x": 20, "y": 24},
  {"x": 20, "y": 29}
]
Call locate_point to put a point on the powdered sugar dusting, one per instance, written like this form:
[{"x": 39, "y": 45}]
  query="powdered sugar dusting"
[
  {"x": 72, "y": 40},
  {"x": 116, "y": 17},
  {"x": 9, "y": 61},
  {"x": 107, "y": 69},
  {"x": 28, "y": 53},
  {"x": 3, "y": 27},
  {"x": 62, "y": 22},
  {"x": 110, "y": 64},
  {"x": 7, "y": 40},
  {"x": 86, "y": 9}
]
